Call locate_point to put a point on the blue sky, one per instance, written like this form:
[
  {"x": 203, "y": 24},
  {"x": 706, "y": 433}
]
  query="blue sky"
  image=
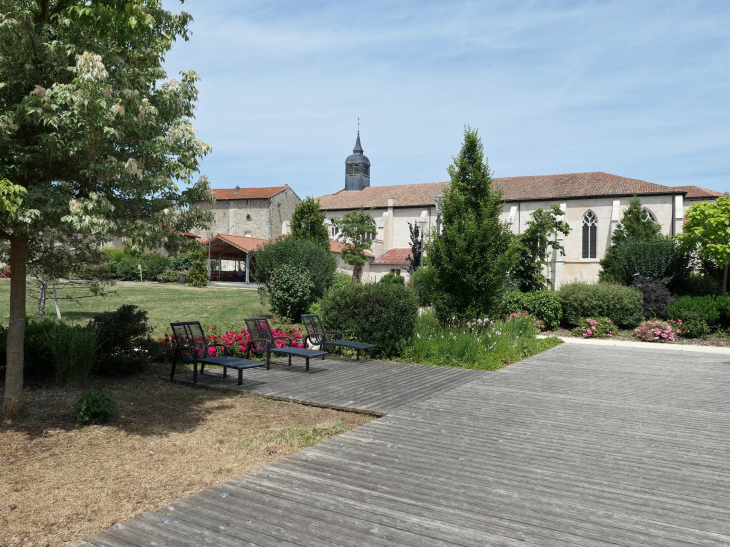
[{"x": 636, "y": 88}]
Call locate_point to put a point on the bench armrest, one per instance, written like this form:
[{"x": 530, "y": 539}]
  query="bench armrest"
[
  {"x": 337, "y": 332},
  {"x": 281, "y": 336}
]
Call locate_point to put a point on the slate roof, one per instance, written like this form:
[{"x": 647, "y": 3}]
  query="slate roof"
[
  {"x": 695, "y": 192},
  {"x": 397, "y": 256},
  {"x": 247, "y": 193},
  {"x": 547, "y": 187},
  {"x": 337, "y": 246}
]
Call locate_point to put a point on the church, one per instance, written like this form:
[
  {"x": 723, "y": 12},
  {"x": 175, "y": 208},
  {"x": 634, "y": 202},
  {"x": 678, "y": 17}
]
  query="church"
[{"x": 593, "y": 204}]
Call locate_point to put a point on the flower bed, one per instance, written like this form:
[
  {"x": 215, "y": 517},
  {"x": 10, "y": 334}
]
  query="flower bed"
[
  {"x": 235, "y": 340},
  {"x": 5, "y": 272},
  {"x": 595, "y": 328},
  {"x": 658, "y": 331}
]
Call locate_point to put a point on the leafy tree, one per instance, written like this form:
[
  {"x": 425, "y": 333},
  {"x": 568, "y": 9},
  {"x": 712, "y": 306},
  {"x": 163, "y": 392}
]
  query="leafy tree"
[
  {"x": 706, "y": 233},
  {"x": 357, "y": 229},
  {"x": 471, "y": 257},
  {"x": 635, "y": 224},
  {"x": 535, "y": 246},
  {"x": 416, "y": 247},
  {"x": 308, "y": 223},
  {"x": 92, "y": 139}
]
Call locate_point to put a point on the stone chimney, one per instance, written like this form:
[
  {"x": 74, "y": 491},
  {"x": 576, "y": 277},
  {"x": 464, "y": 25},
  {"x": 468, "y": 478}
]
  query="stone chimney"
[{"x": 237, "y": 190}]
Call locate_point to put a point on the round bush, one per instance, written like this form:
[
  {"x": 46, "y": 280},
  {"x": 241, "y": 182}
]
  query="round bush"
[
  {"x": 623, "y": 305},
  {"x": 393, "y": 279},
  {"x": 543, "y": 305},
  {"x": 378, "y": 313},
  {"x": 290, "y": 289}
]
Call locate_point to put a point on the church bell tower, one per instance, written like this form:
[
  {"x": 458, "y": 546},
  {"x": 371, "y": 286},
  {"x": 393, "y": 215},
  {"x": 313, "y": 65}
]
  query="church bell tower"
[{"x": 357, "y": 168}]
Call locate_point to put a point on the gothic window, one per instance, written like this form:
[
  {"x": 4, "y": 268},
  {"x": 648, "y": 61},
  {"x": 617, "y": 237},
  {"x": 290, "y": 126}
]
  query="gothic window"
[
  {"x": 590, "y": 223},
  {"x": 335, "y": 229},
  {"x": 648, "y": 215}
]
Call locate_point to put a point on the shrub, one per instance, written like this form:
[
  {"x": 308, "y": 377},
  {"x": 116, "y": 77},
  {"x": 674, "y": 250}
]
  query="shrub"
[
  {"x": 391, "y": 278},
  {"x": 169, "y": 276},
  {"x": 656, "y": 296},
  {"x": 623, "y": 305},
  {"x": 124, "y": 342},
  {"x": 544, "y": 305},
  {"x": 319, "y": 264},
  {"x": 595, "y": 328},
  {"x": 341, "y": 279},
  {"x": 153, "y": 264},
  {"x": 73, "y": 348},
  {"x": 197, "y": 275},
  {"x": 38, "y": 356},
  {"x": 658, "y": 258},
  {"x": 290, "y": 290},
  {"x": 421, "y": 282},
  {"x": 5, "y": 272},
  {"x": 183, "y": 261},
  {"x": 378, "y": 313},
  {"x": 658, "y": 331},
  {"x": 701, "y": 315},
  {"x": 95, "y": 406}
]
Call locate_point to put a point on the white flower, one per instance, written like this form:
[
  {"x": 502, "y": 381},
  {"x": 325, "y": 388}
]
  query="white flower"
[{"x": 118, "y": 109}]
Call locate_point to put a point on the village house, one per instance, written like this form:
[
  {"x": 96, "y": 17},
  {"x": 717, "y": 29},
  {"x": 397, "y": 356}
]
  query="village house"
[{"x": 593, "y": 204}]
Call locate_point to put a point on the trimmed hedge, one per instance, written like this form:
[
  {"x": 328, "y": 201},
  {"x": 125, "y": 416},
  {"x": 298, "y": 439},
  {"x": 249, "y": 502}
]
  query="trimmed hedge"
[
  {"x": 701, "y": 315},
  {"x": 623, "y": 305},
  {"x": 543, "y": 305},
  {"x": 383, "y": 314},
  {"x": 658, "y": 258}
]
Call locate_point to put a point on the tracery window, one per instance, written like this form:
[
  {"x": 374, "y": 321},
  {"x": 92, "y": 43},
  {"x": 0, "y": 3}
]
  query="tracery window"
[
  {"x": 648, "y": 215},
  {"x": 590, "y": 234}
]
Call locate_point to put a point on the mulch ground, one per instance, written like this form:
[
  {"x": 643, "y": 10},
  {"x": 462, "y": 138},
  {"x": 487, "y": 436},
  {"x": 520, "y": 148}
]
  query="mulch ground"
[
  {"x": 625, "y": 335},
  {"x": 61, "y": 482}
]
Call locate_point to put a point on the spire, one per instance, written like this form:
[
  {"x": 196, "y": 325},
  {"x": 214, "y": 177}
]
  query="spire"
[{"x": 358, "y": 147}]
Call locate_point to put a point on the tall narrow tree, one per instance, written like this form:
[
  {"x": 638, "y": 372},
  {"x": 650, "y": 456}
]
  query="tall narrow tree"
[
  {"x": 307, "y": 222},
  {"x": 472, "y": 255},
  {"x": 92, "y": 136}
]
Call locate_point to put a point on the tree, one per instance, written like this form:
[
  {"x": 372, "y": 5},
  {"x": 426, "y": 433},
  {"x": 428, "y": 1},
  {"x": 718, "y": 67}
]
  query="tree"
[
  {"x": 706, "y": 233},
  {"x": 358, "y": 229},
  {"x": 307, "y": 222},
  {"x": 471, "y": 257},
  {"x": 91, "y": 138},
  {"x": 535, "y": 246},
  {"x": 635, "y": 224},
  {"x": 416, "y": 247}
]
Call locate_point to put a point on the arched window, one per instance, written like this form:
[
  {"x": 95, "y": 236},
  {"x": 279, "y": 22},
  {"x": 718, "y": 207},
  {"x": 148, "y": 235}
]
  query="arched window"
[
  {"x": 357, "y": 169},
  {"x": 352, "y": 170},
  {"x": 590, "y": 225},
  {"x": 648, "y": 215},
  {"x": 366, "y": 170}
]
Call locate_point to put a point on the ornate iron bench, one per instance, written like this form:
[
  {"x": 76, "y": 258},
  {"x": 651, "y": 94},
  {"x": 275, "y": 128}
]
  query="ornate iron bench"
[
  {"x": 192, "y": 347},
  {"x": 263, "y": 342},
  {"x": 317, "y": 336}
]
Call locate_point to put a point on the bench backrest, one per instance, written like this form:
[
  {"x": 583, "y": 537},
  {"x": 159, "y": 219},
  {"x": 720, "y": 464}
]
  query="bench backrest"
[
  {"x": 258, "y": 327},
  {"x": 189, "y": 337},
  {"x": 314, "y": 327}
]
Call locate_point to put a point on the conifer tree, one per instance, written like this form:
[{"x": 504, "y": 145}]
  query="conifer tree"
[
  {"x": 307, "y": 222},
  {"x": 471, "y": 257},
  {"x": 635, "y": 224}
]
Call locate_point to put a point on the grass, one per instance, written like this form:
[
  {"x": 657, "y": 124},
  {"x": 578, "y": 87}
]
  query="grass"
[
  {"x": 164, "y": 304},
  {"x": 60, "y": 482},
  {"x": 482, "y": 345}
]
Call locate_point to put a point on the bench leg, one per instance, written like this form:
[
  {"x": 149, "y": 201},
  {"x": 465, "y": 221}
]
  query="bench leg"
[
  {"x": 174, "y": 363},
  {"x": 358, "y": 355},
  {"x": 307, "y": 369},
  {"x": 268, "y": 360},
  {"x": 195, "y": 372},
  {"x": 290, "y": 360},
  {"x": 225, "y": 372},
  {"x": 240, "y": 376}
]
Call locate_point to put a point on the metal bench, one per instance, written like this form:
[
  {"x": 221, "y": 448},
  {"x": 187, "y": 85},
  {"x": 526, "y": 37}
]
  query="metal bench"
[
  {"x": 192, "y": 347},
  {"x": 317, "y": 336},
  {"x": 263, "y": 342}
]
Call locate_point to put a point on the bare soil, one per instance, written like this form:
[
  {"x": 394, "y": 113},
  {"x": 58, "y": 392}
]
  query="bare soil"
[
  {"x": 626, "y": 335},
  {"x": 60, "y": 482}
]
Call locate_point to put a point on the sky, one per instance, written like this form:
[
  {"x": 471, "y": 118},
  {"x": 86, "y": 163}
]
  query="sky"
[{"x": 637, "y": 88}]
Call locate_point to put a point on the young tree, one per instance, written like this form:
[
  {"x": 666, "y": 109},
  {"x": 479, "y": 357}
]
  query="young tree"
[
  {"x": 307, "y": 222},
  {"x": 535, "y": 246},
  {"x": 91, "y": 140},
  {"x": 471, "y": 257},
  {"x": 707, "y": 233},
  {"x": 416, "y": 247},
  {"x": 357, "y": 228},
  {"x": 635, "y": 224}
]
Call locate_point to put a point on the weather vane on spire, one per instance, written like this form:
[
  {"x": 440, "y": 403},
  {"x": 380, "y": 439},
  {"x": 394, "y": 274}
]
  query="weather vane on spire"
[{"x": 358, "y": 125}]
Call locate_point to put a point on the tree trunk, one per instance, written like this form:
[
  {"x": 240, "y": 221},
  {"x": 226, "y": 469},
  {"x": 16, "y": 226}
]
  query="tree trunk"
[
  {"x": 13, "y": 403},
  {"x": 55, "y": 301},
  {"x": 41, "y": 310},
  {"x": 724, "y": 280}
]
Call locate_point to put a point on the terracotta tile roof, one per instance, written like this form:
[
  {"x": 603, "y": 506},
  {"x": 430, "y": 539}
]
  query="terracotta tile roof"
[
  {"x": 337, "y": 246},
  {"x": 247, "y": 193},
  {"x": 571, "y": 185},
  {"x": 231, "y": 245},
  {"x": 395, "y": 255},
  {"x": 697, "y": 192}
]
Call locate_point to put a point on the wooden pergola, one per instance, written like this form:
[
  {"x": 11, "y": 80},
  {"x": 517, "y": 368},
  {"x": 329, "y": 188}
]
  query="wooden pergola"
[{"x": 229, "y": 247}]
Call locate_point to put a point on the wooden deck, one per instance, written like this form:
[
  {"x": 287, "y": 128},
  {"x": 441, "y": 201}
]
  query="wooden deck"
[
  {"x": 376, "y": 387},
  {"x": 576, "y": 446}
]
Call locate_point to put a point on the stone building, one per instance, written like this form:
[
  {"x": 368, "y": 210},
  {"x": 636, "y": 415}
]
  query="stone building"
[
  {"x": 251, "y": 212},
  {"x": 593, "y": 203}
]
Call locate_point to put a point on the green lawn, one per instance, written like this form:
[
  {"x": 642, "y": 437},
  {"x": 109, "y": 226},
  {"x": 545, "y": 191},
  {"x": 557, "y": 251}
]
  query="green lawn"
[{"x": 164, "y": 304}]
